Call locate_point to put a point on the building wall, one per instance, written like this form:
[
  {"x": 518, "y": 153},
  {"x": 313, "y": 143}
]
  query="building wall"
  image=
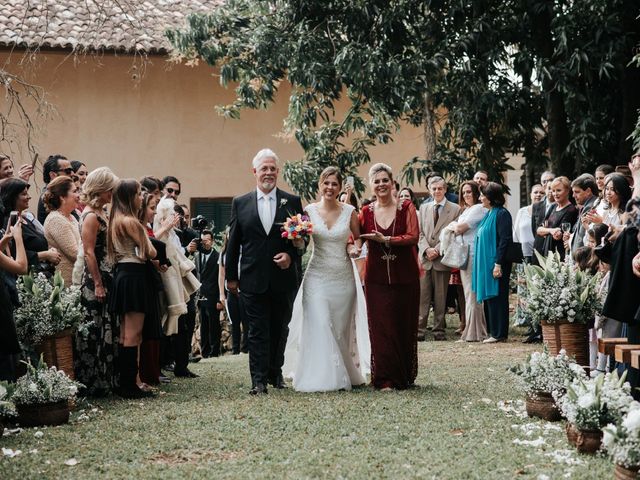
[
  {"x": 164, "y": 124},
  {"x": 159, "y": 118}
]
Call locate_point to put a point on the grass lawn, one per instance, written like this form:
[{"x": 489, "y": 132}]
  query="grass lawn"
[{"x": 453, "y": 427}]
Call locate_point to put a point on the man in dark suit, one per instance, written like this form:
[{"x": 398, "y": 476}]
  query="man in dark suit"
[
  {"x": 267, "y": 281},
  {"x": 206, "y": 262},
  {"x": 539, "y": 212},
  {"x": 585, "y": 192}
]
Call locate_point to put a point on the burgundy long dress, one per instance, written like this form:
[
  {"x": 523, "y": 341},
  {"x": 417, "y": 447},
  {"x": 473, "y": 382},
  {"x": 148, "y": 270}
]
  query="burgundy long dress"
[{"x": 392, "y": 291}]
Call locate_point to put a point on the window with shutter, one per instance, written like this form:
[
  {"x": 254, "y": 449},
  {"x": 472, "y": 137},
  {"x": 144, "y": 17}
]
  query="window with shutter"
[{"x": 215, "y": 210}]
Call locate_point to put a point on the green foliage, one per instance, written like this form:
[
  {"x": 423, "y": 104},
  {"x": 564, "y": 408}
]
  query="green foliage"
[{"x": 483, "y": 78}]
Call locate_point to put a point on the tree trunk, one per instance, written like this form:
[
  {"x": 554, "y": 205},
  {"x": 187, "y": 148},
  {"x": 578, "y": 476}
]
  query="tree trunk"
[
  {"x": 557, "y": 128},
  {"x": 429, "y": 126}
]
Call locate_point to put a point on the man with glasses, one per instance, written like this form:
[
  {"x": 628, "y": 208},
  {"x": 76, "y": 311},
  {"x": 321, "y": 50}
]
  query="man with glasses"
[
  {"x": 55, "y": 166},
  {"x": 171, "y": 187}
]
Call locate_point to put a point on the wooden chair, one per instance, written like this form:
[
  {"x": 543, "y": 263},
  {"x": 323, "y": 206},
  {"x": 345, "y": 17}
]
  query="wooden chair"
[
  {"x": 607, "y": 346},
  {"x": 623, "y": 352},
  {"x": 635, "y": 359}
]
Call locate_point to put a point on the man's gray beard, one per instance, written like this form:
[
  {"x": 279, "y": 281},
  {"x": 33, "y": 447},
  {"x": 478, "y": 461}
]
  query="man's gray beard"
[{"x": 268, "y": 186}]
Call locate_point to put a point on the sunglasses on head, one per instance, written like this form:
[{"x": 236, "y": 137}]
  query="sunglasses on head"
[{"x": 171, "y": 190}]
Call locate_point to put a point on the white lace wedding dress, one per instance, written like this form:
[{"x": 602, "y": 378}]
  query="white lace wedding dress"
[{"x": 328, "y": 346}]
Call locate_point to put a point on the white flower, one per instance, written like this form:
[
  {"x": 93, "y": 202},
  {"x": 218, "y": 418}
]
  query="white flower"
[
  {"x": 587, "y": 400},
  {"x": 632, "y": 421},
  {"x": 283, "y": 202},
  {"x": 33, "y": 387}
]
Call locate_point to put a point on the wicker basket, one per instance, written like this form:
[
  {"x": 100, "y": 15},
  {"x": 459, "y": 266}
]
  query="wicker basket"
[
  {"x": 589, "y": 441},
  {"x": 624, "y": 473},
  {"x": 572, "y": 337},
  {"x": 542, "y": 405},
  {"x": 572, "y": 434},
  {"x": 43, "y": 414},
  {"x": 57, "y": 351}
]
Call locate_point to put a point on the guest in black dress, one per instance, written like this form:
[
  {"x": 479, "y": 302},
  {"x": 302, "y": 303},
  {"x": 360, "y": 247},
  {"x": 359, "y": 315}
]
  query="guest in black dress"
[
  {"x": 562, "y": 214},
  {"x": 132, "y": 296},
  {"x": 9, "y": 346}
]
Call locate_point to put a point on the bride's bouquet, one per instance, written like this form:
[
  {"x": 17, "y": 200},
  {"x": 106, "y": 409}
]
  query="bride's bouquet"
[{"x": 297, "y": 226}]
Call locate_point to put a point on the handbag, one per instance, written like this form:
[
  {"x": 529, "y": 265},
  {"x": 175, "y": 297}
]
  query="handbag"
[
  {"x": 457, "y": 254},
  {"x": 514, "y": 253}
]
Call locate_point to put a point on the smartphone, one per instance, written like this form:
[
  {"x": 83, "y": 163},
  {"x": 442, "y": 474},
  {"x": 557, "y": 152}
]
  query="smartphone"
[
  {"x": 349, "y": 182},
  {"x": 13, "y": 219}
]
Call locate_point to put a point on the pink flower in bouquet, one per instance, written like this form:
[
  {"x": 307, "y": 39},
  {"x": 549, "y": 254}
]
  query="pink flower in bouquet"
[{"x": 297, "y": 226}]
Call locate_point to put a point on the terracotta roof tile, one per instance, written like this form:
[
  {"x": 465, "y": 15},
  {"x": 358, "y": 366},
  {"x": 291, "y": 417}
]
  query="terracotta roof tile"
[{"x": 123, "y": 25}]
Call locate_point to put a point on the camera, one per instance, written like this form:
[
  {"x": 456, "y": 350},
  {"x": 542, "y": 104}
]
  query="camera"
[{"x": 199, "y": 223}]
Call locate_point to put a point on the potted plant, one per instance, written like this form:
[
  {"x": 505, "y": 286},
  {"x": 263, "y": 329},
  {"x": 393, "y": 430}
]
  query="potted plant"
[
  {"x": 622, "y": 442},
  {"x": 7, "y": 410},
  {"x": 47, "y": 316},
  {"x": 42, "y": 395},
  {"x": 591, "y": 403},
  {"x": 540, "y": 376},
  {"x": 564, "y": 301}
]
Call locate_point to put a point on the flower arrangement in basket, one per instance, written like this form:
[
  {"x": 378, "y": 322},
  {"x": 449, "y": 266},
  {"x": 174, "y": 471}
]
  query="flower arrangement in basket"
[
  {"x": 591, "y": 403},
  {"x": 622, "y": 442},
  {"x": 542, "y": 375},
  {"x": 42, "y": 395},
  {"x": 297, "y": 226},
  {"x": 46, "y": 307},
  {"x": 556, "y": 292}
]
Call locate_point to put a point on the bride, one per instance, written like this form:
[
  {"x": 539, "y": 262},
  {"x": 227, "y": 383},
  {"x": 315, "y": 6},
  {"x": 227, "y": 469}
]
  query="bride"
[{"x": 328, "y": 346}]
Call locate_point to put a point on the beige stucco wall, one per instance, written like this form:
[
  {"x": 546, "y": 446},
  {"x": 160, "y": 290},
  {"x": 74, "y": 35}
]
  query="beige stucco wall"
[{"x": 163, "y": 124}]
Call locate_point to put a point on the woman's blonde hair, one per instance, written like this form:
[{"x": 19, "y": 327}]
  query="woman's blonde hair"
[
  {"x": 380, "y": 167},
  {"x": 564, "y": 181},
  {"x": 97, "y": 182}
]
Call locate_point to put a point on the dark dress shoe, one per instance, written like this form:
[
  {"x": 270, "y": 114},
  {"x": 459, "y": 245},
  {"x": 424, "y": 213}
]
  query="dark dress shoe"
[
  {"x": 193, "y": 359},
  {"x": 422, "y": 338},
  {"x": 278, "y": 383},
  {"x": 259, "y": 389},
  {"x": 185, "y": 374},
  {"x": 533, "y": 339},
  {"x": 169, "y": 367}
]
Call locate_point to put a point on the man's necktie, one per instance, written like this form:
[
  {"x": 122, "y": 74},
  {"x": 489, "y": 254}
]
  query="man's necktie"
[
  {"x": 266, "y": 214},
  {"x": 436, "y": 215}
]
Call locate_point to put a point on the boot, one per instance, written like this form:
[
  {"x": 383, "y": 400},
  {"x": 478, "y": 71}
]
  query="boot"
[{"x": 128, "y": 362}]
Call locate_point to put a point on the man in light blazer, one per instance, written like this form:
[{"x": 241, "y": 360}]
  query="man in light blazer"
[{"x": 434, "y": 216}]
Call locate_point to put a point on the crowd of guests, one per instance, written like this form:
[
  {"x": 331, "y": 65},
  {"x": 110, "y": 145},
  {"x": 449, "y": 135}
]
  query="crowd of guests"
[
  {"x": 146, "y": 274},
  {"x": 143, "y": 272}
]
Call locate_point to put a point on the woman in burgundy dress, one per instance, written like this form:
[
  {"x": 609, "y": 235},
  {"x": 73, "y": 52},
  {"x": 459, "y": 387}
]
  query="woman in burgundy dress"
[{"x": 392, "y": 285}]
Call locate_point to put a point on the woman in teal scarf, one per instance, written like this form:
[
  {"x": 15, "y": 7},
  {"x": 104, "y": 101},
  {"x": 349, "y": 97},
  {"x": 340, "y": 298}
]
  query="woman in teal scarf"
[{"x": 490, "y": 276}]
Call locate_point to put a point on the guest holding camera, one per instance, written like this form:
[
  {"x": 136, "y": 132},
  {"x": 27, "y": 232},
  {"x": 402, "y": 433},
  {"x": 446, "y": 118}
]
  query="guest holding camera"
[{"x": 14, "y": 195}]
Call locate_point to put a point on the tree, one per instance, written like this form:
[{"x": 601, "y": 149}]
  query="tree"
[{"x": 483, "y": 78}]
